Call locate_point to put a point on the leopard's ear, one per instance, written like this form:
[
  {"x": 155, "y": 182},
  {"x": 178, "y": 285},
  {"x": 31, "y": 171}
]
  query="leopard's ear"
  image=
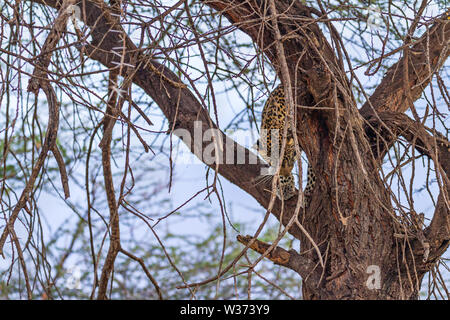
[{"x": 290, "y": 142}]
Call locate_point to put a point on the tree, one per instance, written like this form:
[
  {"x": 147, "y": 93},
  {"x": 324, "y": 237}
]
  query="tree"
[{"x": 361, "y": 237}]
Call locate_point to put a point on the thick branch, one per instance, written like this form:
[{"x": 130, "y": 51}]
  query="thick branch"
[
  {"x": 289, "y": 259},
  {"x": 427, "y": 55},
  {"x": 178, "y": 104},
  {"x": 317, "y": 77},
  {"x": 436, "y": 147}
]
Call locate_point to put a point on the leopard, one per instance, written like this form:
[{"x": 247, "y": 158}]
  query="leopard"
[{"x": 273, "y": 123}]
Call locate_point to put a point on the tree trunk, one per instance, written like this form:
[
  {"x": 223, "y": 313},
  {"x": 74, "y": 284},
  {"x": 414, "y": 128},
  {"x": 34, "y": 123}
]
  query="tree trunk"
[{"x": 369, "y": 252}]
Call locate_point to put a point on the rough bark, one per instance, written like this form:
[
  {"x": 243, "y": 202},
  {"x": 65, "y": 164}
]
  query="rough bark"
[{"x": 350, "y": 216}]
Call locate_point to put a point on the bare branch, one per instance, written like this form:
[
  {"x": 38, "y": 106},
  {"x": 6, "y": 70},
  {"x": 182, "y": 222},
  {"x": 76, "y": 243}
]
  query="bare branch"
[
  {"x": 427, "y": 55},
  {"x": 40, "y": 81},
  {"x": 280, "y": 256},
  {"x": 435, "y": 146}
]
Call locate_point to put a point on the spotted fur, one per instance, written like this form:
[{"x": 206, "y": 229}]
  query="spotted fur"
[{"x": 274, "y": 118}]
